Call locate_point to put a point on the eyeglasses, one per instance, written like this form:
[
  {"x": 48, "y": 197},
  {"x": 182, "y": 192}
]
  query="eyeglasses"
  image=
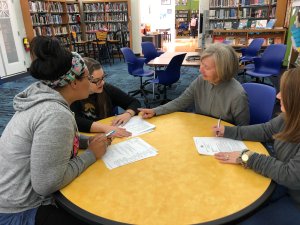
[{"x": 97, "y": 81}]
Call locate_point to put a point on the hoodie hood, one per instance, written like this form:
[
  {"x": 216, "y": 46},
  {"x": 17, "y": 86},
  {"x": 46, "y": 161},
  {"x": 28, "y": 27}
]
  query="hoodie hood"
[{"x": 36, "y": 94}]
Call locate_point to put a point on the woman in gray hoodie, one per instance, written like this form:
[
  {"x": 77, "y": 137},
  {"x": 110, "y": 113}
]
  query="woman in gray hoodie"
[
  {"x": 283, "y": 166},
  {"x": 38, "y": 148}
]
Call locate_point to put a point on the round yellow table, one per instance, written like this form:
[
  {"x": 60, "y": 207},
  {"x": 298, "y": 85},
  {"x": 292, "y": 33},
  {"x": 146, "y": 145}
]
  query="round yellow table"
[{"x": 178, "y": 186}]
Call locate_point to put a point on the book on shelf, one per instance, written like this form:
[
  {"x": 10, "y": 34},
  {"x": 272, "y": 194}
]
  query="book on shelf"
[
  {"x": 219, "y": 39},
  {"x": 271, "y": 23},
  {"x": 243, "y": 24},
  {"x": 227, "y": 25},
  {"x": 261, "y": 24},
  {"x": 253, "y": 24},
  {"x": 229, "y": 40},
  {"x": 235, "y": 25}
]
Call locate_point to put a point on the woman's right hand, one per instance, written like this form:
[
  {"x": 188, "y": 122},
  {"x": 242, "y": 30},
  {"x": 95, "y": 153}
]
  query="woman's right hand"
[
  {"x": 98, "y": 145},
  {"x": 120, "y": 132},
  {"x": 147, "y": 113},
  {"x": 218, "y": 131}
]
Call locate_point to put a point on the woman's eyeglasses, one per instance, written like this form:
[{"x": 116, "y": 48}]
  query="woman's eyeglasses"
[{"x": 97, "y": 81}]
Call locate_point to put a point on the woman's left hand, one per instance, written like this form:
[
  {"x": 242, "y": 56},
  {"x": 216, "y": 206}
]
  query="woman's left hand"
[
  {"x": 121, "y": 119},
  {"x": 228, "y": 157}
]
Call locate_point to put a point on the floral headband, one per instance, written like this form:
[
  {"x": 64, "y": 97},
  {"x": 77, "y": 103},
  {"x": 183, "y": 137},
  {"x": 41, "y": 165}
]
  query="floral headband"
[{"x": 77, "y": 70}]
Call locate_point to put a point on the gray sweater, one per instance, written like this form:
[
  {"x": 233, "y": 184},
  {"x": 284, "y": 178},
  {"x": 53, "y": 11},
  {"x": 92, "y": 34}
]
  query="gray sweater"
[
  {"x": 36, "y": 148},
  {"x": 284, "y": 167},
  {"x": 227, "y": 100}
]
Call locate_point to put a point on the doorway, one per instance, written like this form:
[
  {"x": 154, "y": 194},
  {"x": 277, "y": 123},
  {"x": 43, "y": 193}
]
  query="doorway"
[{"x": 11, "y": 53}]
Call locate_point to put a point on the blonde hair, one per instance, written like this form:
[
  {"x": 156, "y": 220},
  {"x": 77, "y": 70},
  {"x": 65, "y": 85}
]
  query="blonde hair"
[
  {"x": 226, "y": 60},
  {"x": 290, "y": 95}
]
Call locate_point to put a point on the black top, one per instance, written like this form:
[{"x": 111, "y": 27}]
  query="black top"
[{"x": 102, "y": 105}]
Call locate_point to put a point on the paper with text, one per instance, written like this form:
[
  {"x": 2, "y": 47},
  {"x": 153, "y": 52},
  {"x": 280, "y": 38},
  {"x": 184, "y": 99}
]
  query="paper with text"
[
  {"x": 212, "y": 145},
  {"x": 127, "y": 152},
  {"x": 137, "y": 126}
]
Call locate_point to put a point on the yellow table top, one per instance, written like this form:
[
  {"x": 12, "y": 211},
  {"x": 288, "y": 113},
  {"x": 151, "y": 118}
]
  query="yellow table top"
[{"x": 178, "y": 186}]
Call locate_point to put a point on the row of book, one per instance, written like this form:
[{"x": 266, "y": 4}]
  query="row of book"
[
  {"x": 236, "y": 3},
  {"x": 243, "y": 13},
  {"x": 105, "y": 7},
  {"x": 116, "y": 17},
  {"x": 60, "y": 30},
  {"x": 45, "y": 19},
  {"x": 73, "y": 8},
  {"x": 75, "y": 27},
  {"x": 39, "y": 6},
  {"x": 95, "y": 17},
  {"x": 243, "y": 40},
  {"x": 243, "y": 24}
]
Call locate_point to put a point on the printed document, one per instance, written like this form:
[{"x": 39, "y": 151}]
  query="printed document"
[
  {"x": 137, "y": 126},
  {"x": 127, "y": 152},
  {"x": 212, "y": 145}
]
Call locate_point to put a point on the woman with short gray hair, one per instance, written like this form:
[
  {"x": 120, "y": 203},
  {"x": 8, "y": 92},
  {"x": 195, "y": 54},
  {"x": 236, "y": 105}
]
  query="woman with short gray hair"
[{"x": 215, "y": 92}]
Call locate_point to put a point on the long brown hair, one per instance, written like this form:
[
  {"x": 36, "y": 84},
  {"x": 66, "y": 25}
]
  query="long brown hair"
[{"x": 290, "y": 95}]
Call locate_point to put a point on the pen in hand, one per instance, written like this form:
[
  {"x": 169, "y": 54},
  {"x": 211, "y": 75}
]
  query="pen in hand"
[
  {"x": 110, "y": 133},
  {"x": 218, "y": 126}
]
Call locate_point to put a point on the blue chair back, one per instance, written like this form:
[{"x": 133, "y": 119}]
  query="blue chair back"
[
  {"x": 135, "y": 65},
  {"x": 261, "y": 100},
  {"x": 149, "y": 51},
  {"x": 254, "y": 47},
  {"x": 271, "y": 60},
  {"x": 172, "y": 72}
]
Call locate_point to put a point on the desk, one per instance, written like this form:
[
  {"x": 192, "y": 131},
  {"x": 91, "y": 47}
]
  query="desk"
[
  {"x": 164, "y": 59},
  {"x": 178, "y": 186}
]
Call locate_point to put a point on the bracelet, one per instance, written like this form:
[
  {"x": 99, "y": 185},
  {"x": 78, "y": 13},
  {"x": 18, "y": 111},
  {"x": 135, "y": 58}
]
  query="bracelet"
[{"x": 129, "y": 113}]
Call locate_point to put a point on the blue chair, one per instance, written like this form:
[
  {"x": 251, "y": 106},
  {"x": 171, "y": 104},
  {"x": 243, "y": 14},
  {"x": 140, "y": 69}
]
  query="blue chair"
[
  {"x": 170, "y": 74},
  {"x": 252, "y": 50},
  {"x": 136, "y": 69},
  {"x": 149, "y": 51},
  {"x": 261, "y": 98},
  {"x": 269, "y": 64}
]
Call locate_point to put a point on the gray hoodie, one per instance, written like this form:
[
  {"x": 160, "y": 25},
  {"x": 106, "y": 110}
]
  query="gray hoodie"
[{"x": 36, "y": 148}]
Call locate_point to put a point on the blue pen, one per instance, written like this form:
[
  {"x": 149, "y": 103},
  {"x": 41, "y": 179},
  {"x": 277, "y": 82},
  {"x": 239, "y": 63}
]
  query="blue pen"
[{"x": 110, "y": 133}]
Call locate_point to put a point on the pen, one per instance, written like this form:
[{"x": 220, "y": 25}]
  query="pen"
[
  {"x": 218, "y": 126},
  {"x": 110, "y": 133},
  {"x": 219, "y": 122}
]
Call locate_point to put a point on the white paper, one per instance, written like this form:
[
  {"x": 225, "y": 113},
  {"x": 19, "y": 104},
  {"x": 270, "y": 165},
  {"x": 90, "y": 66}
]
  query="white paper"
[
  {"x": 137, "y": 126},
  {"x": 212, "y": 145},
  {"x": 127, "y": 152}
]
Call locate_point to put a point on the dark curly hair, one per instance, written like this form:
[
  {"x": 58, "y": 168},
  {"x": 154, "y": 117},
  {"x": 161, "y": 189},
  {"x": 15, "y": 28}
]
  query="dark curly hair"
[{"x": 50, "y": 59}]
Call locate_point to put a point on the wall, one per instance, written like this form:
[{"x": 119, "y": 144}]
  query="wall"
[
  {"x": 135, "y": 22},
  {"x": 190, "y": 4}
]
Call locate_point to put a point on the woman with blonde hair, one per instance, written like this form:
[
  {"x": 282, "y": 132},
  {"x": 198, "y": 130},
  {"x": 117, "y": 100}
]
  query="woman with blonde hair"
[
  {"x": 283, "y": 167},
  {"x": 215, "y": 92}
]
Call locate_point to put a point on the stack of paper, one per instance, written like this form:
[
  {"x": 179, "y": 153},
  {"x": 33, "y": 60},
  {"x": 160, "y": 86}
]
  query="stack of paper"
[
  {"x": 127, "y": 152},
  {"x": 137, "y": 126},
  {"x": 212, "y": 145}
]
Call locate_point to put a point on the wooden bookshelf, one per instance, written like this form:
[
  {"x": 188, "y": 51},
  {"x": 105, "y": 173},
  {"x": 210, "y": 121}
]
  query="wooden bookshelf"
[
  {"x": 60, "y": 17},
  {"x": 223, "y": 14},
  {"x": 110, "y": 16}
]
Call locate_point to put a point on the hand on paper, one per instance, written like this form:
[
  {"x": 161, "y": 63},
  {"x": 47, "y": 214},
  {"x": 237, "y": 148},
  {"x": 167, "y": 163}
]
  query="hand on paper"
[
  {"x": 120, "y": 132},
  {"x": 219, "y": 131},
  {"x": 228, "y": 157},
  {"x": 121, "y": 119},
  {"x": 98, "y": 145},
  {"x": 147, "y": 113}
]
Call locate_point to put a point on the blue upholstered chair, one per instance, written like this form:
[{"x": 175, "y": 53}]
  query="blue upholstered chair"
[
  {"x": 261, "y": 99},
  {"x": 269, "y": 64},
  {"x": 149, "y": 51},
  {"x": 136, "y": 69},
  {"x": 252, "y": 50},
  {"x": 170, "y": 74}
]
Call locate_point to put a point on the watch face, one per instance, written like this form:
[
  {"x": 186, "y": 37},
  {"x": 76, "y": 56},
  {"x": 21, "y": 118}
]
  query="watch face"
[{"x": 245, "y": 157}]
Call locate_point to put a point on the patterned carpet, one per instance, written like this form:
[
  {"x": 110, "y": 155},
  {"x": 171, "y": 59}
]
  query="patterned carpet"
[{"x": 117, "y": 75}]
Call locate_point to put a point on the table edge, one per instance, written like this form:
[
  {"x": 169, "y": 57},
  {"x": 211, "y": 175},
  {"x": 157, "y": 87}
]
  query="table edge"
[{"x": 93, "y": 219}]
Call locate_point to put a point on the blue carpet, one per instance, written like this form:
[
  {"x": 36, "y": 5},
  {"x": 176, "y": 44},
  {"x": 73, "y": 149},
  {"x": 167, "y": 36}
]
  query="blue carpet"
[{"x": 117, "y": 75}]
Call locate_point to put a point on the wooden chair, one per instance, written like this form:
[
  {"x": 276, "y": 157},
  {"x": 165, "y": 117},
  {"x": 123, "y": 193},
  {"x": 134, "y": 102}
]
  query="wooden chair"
[
  {"x": 78, "y": 45},
  {"x": 100, "y": 47},
  {"x": 115, "y": 44}
]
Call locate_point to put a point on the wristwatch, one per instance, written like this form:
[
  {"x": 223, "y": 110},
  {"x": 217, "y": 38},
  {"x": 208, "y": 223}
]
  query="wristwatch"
[{"x": 244, "y": 157}]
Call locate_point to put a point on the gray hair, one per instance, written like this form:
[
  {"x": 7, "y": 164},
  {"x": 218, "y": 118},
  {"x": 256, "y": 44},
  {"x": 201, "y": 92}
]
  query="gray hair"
[{"x": 226, "y": 60}]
